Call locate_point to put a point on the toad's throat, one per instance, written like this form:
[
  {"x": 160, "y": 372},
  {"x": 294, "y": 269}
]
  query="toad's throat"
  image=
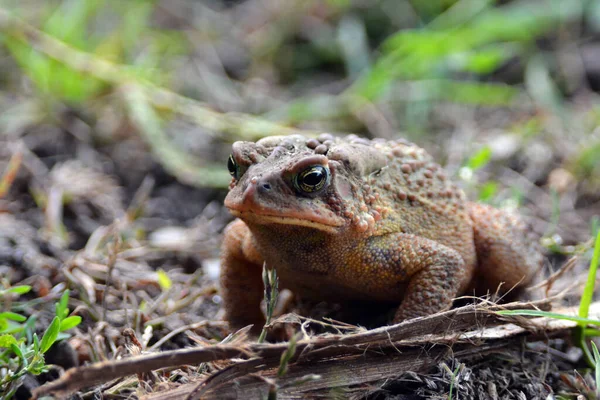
[{"x": 264, "y": 219}]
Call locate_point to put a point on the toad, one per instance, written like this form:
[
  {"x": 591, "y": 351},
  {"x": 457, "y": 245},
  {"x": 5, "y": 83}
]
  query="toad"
[{"x": 351, "y": 219}]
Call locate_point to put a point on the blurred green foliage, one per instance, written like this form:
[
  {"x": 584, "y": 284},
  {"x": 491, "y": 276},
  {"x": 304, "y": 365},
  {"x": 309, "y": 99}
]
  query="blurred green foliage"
[
  {"x": 317, "y": 62},
  {"x": 73, "y": 22},
  {"x": 67, "y": 23},
  {"x": 451, "y": 56},
  {"x": 445, "y": 48}
]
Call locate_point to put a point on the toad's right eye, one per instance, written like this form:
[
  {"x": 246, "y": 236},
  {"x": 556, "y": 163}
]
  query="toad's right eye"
[
  {"x": 312, "y": 179},
  {"x": 232, "y": 166}
]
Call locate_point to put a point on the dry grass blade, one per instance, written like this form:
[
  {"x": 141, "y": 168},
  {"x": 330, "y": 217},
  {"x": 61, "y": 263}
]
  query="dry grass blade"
[
  {"x": 11, "y": 172},
  {"x": 450, "y": 327},
  {"x": 225, "y": 375},
  {"x": 374, "y": 363},
  {"x": 77, "y": 378}
]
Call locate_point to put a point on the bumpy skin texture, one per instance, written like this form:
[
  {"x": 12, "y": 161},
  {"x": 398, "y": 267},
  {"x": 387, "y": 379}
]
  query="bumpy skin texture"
[{"x": 386, "y": 226}]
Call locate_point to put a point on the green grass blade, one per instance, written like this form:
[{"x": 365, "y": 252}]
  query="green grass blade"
[
  {"x": 596, "y": 368},
  {"x": 547, "y": 314},
  {"x": 588, "y": 292}
]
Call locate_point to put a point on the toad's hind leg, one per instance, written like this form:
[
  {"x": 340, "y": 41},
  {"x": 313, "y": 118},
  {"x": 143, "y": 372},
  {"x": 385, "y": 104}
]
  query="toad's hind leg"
[
  {"x": 508, "y": 257},
  {"x": 241, "y": 278}
]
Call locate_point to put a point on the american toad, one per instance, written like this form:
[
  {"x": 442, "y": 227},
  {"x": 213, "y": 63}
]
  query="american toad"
[{"x": 356, "y": 219}]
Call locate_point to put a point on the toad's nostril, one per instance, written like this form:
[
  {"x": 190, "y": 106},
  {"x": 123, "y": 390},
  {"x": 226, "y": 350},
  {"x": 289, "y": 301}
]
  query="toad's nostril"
[{"x": 264, "y": 187}]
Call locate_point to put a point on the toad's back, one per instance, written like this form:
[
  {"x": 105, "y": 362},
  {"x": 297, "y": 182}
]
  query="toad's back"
[{"x": 417, "y": 198}]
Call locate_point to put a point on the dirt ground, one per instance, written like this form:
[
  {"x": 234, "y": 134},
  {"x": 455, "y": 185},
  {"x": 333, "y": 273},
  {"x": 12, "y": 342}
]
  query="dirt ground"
[
  {"x": 127, "y": 220},
  {"x": 95, "y": 206}
]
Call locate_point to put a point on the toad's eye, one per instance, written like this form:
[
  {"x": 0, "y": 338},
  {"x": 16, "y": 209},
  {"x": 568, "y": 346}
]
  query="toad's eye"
[
  {"x": 312, "y": 179},
  {"x": 233, "y": 167}
]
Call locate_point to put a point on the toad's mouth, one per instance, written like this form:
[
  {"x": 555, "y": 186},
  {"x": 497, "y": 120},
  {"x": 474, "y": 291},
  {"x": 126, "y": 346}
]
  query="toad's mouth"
[{"x": 265, "y": 219}]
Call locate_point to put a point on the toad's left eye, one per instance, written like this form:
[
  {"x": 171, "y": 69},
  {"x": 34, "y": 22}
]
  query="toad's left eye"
[
  {"x": 312, "y": 179},
  {"x": 233, "y": 167}
]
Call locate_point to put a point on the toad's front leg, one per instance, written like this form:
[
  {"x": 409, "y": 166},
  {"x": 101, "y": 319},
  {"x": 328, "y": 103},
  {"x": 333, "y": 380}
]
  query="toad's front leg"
[
  {"x": 241, "y": 278},
  {"x": 435, "y": 273}
]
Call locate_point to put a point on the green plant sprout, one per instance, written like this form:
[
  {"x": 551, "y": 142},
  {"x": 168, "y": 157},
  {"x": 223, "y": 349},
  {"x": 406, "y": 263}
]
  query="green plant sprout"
[
  {"x": 271, "y": 282},
  {"x": 21, "y": 351},
  {"x": 453, "y": 376}
]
